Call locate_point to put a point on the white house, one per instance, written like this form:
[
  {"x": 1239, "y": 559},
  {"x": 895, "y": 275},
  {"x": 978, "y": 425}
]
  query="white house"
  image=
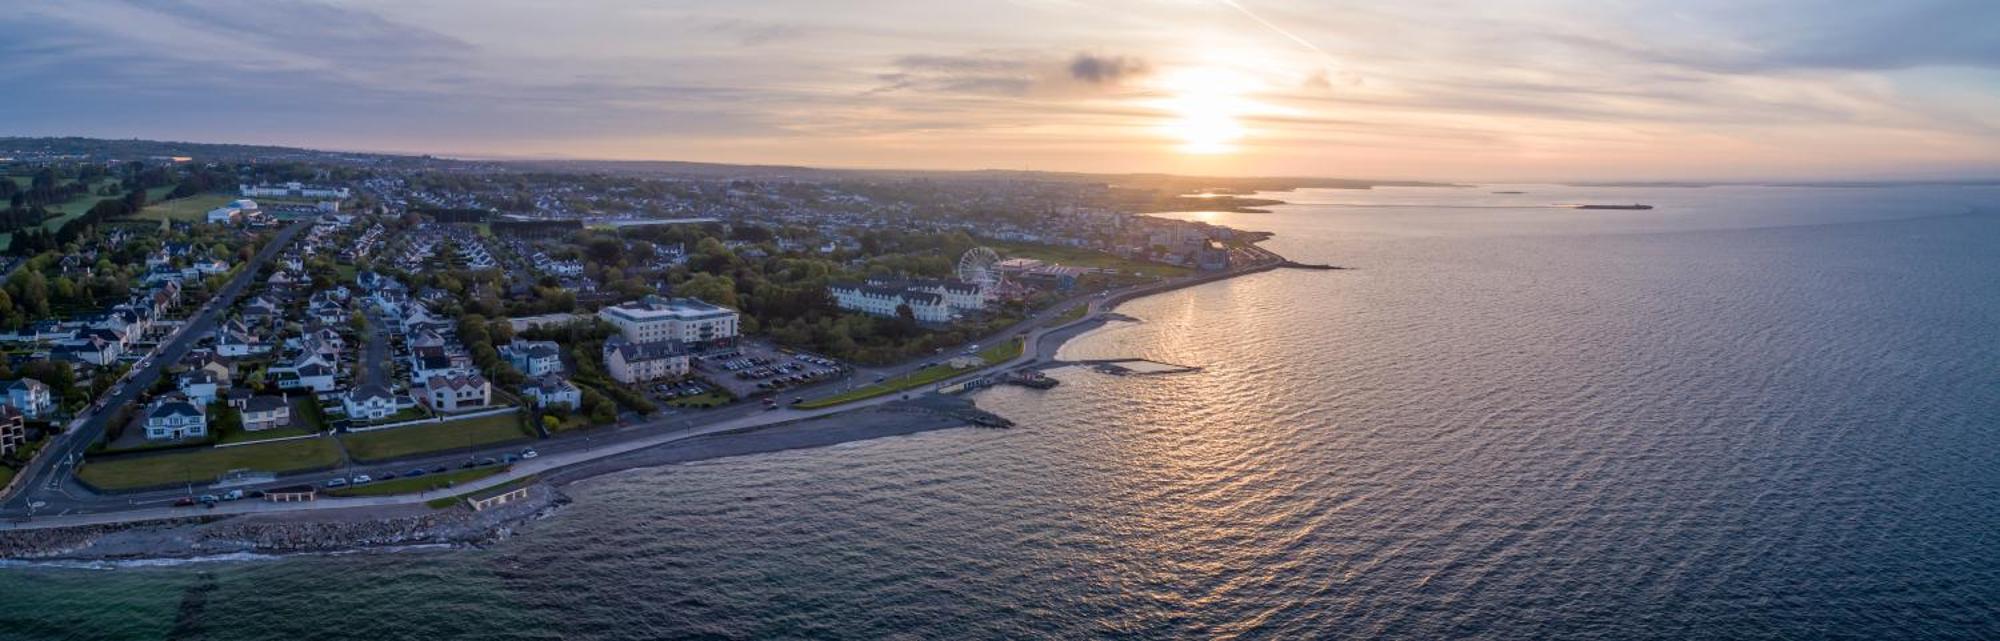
[
  {"x": 31, "y": 398},
  {"x": 369, "y": 402},
  {"x": 174, "y": 419},
  {"x": 553, "y": 390},
  {"x": 200, "y": 386},
  {"x": 533, "y": 358},
  {"x": 266, "y": 412},
  {"x": 455, "y": 393}
]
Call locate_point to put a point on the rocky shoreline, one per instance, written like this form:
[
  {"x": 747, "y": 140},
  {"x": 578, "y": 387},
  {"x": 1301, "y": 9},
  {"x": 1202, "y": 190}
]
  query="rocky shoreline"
[
  {"x": 307, "y": 532},
  {"x": 401, "y": 526}
]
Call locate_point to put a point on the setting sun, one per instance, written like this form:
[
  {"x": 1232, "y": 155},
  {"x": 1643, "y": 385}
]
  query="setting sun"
[{"x": 1206, "y": 107}]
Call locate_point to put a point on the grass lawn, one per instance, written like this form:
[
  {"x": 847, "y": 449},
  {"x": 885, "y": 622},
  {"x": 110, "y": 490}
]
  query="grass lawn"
[
  {"x": 1078, "y": 257},
  {"x": 419, "y": 439},
  {"x": 705, "y": 399},
  {"x": 448, "y": 501},
  {"x": 246, "y": 436},
  {"x": 6, "y": 475},
  {"x": 204, "y": 465},
  {"x": 1069, "y": 315},
  {"x": 995, "y": 354},
  {"x": 190, "y": 209},
  {"x": 416, "y": 484},
  {"x": 405, "y": 414},
  {"x": 1003, "y": 352}
]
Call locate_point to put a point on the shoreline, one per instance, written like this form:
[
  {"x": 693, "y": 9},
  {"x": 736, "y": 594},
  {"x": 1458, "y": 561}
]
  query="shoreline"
[
  {"x": 253, "y": 536},
  {"x": 208, "y": 537}
]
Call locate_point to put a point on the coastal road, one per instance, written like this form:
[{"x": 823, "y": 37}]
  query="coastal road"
[
  {"x": 46, "y": 481},
  {"x": 1041, "y": 344}
]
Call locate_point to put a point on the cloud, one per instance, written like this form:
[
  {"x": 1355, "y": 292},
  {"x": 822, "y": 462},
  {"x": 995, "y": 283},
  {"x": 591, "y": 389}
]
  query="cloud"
[{"x": 1105, "y": 70}]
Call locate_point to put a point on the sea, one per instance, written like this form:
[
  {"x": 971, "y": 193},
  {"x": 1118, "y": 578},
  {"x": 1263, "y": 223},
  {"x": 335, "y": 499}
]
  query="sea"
[{"x": 1752, "y": 412}]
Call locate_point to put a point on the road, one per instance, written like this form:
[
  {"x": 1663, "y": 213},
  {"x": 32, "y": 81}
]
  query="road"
[
  {"x": 82, "y": 507},
  {"x": 47, "y": 480}
]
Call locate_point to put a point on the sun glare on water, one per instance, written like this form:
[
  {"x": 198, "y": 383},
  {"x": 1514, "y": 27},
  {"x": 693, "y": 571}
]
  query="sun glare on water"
[{"x": 1206, "y": 105}]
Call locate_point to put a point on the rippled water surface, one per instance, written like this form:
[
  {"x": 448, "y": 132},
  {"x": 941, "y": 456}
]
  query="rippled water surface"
[{"x": 1756, "y": 413}]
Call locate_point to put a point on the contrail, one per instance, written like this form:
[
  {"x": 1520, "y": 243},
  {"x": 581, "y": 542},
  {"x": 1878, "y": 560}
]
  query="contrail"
[{"x": 1276, "y": 29}]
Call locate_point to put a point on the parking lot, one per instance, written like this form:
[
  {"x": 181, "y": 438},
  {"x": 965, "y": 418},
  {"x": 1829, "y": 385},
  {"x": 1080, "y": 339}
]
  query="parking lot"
[{"x": 754, "y": 369}]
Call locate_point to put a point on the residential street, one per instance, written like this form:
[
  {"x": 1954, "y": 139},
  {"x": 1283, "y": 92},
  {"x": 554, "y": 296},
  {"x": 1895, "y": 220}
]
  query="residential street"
[{"x": 47, "y": 481}]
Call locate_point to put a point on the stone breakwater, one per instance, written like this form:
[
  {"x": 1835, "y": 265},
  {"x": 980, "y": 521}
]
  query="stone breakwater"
[{"x": 297, "y": 532}]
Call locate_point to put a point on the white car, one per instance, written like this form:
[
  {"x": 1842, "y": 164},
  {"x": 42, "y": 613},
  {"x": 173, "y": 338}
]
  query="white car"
[
  {"x": 528, "y": 454},
  {"x": 362, "y": 478}
]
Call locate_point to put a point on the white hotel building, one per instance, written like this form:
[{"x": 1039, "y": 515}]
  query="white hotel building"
[
  {"x": 882, "y": 301},
  {"x": 653, "y": 319}
]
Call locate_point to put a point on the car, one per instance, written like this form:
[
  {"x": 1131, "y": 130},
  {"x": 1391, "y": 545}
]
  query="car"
[
  {"x": 439, "y": 469},
  {"x": 415, "y": 472},
  {"x": 469, "y": 463},
  {"x": 386, "y": 476},
  {"x": 210, "y": 498},
  {"x": 333, "y": 483},
  {"x": 184, "y": 501},
  {"x": 526, "y": 454},
  {"x": 798, "y": 399},
  {"x": 488, "y": 461},
  {"x": 362, "y": 478},
  {"x": 509, "y": 458},
  {"x": 232, "y": 495}
]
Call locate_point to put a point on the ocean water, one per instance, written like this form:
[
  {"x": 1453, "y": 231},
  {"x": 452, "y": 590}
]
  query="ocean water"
[{"x": 1751, "y": 413}]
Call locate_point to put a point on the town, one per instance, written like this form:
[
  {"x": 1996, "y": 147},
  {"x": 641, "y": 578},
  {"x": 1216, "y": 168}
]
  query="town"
[{"x": 195, "y": 330}]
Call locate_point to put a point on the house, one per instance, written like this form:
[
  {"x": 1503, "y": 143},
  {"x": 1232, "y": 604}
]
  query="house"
[
  {"x": 200, "y": 386},
  {"x": 455, "y": 393},
  {"x": 174, "y": 419},
  {"x": 30, "y": 398},
  {"x": 630, "y": 362},
  {"x": 95, "y": 351},
  {"x": 310, "y": 371},
  {"x": 266, "y": 412},
  {"x": 533, "y": 358},
  {"x": 431, "y": 362},
  {"x": 13, "y": 430},
  {"x": 369, "y": 402},
  {"x": 236, "y": 343},
  {"x": 553, "y": 390}
]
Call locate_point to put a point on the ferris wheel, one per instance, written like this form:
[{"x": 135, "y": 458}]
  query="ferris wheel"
[{"x": 977, "y": 267}]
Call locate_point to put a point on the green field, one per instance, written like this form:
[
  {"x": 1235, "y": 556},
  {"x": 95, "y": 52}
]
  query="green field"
[
  {"x": 246, "y": 436},
  {"x": 416, "y": 484},
  {"x": 190, "y": 209},
  {"x": 398, "y": 442},
  {"x": 204, "y": 465},
  {"x": 1077, "y": 257},
  {"x": 994, "y": 355},
  {"x": 1069, "y": 315}
]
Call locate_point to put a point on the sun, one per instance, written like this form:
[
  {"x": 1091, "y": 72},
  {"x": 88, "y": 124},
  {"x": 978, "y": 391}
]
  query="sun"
[{"x": 1206, "y": 106}]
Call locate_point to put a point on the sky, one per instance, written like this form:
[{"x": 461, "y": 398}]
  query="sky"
[{"x": 1493, "y": 90}]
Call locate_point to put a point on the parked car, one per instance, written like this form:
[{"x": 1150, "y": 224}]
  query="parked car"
[
  {"x": 184, "y": 501},
  {"x": 232, "y": 495},
  {"x": 362, "y": 478},
  {"x": 415, "y": 472},
  {"x": 333, "y": 483},
  {"x": 210, "y": 498},
  {"x": 529, "y": 454}
]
